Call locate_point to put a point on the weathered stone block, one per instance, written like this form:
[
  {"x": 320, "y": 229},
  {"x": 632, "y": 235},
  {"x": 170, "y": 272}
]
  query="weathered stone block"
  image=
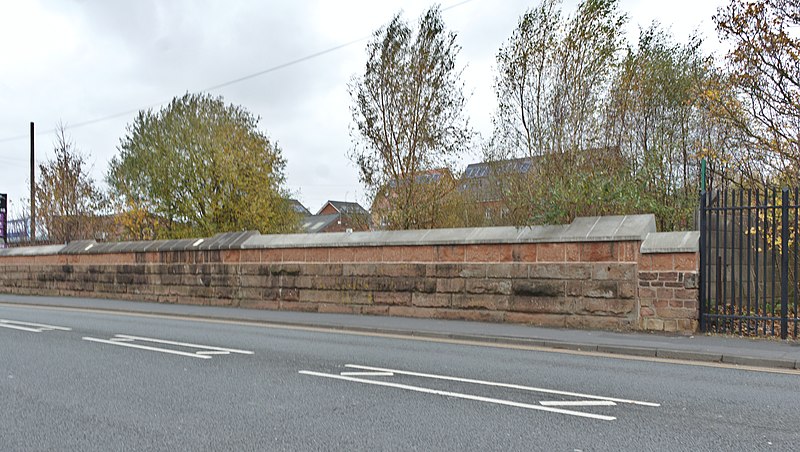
[
  {"x": 541, "y": 305},
  {"x": 626, "y": 290},
  {"x": 443, "y": 270},
  {"x": 473, "y": 271},
  {"x": 392, "y": 298},
  {"x": 599, "y": 252},
  {"x": 560, "y": 271},
  {"x": 551, "y": 252},
  {"x": 600, "y": 289},
  {"x": 450, "y": 285},
  {"x": 433, "y": 300},
  {"x": 651, "y": 324},
  {"x": 359, "y": 270},
  {"x": 612, "y": 271},
  {"x": 480, "y": 301},
  {"x": 504, "y": 271},
  {"x": 539, "y": 288},
  {"x": 612, "y": 307},
  {"x": 488, "y": 286}
]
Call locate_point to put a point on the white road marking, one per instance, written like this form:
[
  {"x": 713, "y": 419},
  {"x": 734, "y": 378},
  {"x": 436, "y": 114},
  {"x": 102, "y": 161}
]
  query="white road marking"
[
  {"x": 577, "y": 403},
  {"x": 205, "y": 352},
  {"x": 145, "y": 347},
  {"x": 37, "y": 327},
  {"x": 503, "y": 385},
  {"x": 367, "y": 374},
  {"x": 459, "y": 395},
  {"x": 21, "y": 328},
  {"x": 184, "y": 344}
]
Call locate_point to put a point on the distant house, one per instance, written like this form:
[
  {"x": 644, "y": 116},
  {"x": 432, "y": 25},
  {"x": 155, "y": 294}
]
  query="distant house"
[
  {"x": 342, "y": 208},
  {"x": 297, "y": 207},
  {"x": 485, "y": 182},
  {"x": 428, "y": 188},
  {"x": 337, "y": 216},
  {"x": 482, "y": 178}
]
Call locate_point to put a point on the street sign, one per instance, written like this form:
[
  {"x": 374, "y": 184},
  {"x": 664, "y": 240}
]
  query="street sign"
[{"x": 3, "y": 220}]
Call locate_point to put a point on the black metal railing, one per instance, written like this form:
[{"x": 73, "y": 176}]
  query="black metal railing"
[{"x": 749, "y": 262}]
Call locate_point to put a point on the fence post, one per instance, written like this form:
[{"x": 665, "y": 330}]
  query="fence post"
[
  {"x": 784, "y": 263},
  {"x": 702, "y": 276}
]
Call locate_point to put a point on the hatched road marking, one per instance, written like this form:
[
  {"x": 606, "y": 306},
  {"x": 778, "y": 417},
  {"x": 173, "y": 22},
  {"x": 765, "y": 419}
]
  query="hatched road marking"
[
  {"x": 204, "y": 352},
  {"x": 30, "y": 327},
  {"x": 544, "y": 405}
]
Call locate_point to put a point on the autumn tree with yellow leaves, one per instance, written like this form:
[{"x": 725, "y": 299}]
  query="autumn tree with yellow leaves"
[{"x": 198, "y": 167}]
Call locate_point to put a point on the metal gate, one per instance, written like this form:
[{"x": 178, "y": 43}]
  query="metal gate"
[{"x": 749, "y": 262}]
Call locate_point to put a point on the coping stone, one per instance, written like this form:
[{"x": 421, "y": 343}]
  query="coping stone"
[
  {"x": 32, "y": 250},
  {"x": 671, "y": 242},
  {"x": 592, "y": 229},
  {"x": 78, "y": 247}
]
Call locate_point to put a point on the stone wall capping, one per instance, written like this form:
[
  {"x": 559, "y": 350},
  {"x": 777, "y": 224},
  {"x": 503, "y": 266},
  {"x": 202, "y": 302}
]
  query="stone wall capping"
[
  {"x": 78, "y": 247},
  {"x": 583, "y": 229},
  {"x": 671, "y": 242},
  {"x": 32, "y": 250}
]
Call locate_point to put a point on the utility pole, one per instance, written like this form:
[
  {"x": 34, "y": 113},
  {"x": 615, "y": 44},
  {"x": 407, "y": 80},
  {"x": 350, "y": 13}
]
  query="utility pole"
[{"x": 33, "y": 192}]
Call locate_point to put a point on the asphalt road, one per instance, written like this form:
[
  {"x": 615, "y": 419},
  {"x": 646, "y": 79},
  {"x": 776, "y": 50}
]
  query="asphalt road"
[{"x": 114, "y": 381}]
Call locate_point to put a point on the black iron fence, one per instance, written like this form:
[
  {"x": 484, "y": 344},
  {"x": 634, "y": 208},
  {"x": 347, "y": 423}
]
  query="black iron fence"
[{"x": 749, "y": 262}]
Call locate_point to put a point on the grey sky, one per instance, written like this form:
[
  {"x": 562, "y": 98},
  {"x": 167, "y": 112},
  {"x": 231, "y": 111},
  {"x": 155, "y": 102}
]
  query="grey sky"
[{"x": 76, "y": 61}]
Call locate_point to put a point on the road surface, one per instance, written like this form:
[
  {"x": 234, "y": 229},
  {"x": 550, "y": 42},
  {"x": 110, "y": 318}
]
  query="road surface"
[{"x": 88, "y": 380}]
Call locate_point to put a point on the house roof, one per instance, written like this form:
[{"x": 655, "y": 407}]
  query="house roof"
[
  {"x": 484, "y": 169},
  {"x": 346, "y": 208},
  {"x": 298, "y": 207},
  {"x": 315, "y": 223}
]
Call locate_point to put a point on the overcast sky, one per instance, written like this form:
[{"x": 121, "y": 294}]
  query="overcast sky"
[{"x": 86, "y": 61}]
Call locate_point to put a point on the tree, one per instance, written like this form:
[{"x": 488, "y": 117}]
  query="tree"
[
  {"x": 198, "y": 167},
  {"x": 68, "y": 202},
  {"x": 763, "y": 68},
  {"x": 553, "y": 74},
  {"x": 655, "y": 118},
  {"x": 408, "y": 115},
  {"x": 552, "y": 88}
]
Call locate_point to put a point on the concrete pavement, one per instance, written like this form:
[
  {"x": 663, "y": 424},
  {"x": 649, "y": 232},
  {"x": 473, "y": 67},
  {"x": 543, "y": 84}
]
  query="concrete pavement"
[{"x": 705, "y": 348}]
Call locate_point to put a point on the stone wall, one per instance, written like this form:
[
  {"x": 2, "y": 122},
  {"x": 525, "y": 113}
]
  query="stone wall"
[{"x": 574, "y": 275}]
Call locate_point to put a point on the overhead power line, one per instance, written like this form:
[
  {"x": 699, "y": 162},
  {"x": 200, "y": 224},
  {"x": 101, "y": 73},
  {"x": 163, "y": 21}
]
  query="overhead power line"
[{"x": 214, "y": 87}]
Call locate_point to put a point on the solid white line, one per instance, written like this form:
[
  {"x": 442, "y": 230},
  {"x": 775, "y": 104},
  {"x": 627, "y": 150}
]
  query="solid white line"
[
  {"x": 577, "y": 403},
  {"x": 367, "y": 374},
  {"x": 22, "y": 328},
  {"x": 213, "y": 352},
  {"x": 40, "y": 325},
  {"x": 145, "y": 347},
  {"x": 459, "y": 395},
  {"x": 184, "y": 344},
  {"x": 502, "y": 385}
]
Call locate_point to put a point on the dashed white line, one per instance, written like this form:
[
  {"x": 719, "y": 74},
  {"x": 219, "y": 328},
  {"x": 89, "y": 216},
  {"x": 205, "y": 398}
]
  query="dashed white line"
[
  {"x": 459, "y": 395},
  {"x": 503, "y": 385}
]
